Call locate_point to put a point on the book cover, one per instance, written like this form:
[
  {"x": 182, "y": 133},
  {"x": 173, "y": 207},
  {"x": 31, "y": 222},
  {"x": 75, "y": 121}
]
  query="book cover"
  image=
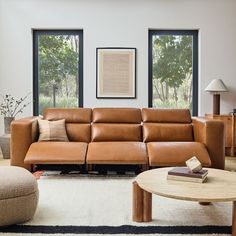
[
  {"x": 185, "y": 171},
  {"x": 186, "y": 179}
]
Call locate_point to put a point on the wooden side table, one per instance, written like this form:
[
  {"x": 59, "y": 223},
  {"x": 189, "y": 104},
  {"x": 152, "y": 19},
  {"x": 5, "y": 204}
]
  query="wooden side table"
[
  {"x": 5, "y": 145},
  {"x": 229, "y": 121},
  {"x": 233, "y": 134}
]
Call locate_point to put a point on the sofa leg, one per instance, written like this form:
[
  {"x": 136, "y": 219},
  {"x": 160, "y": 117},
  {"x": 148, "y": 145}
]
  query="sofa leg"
[
  {"x": 144, "y": 167},
  {"x": 83, "y": 169},
  {"x": 33, "y": 168},
  {"x": 89, "y": 167}
]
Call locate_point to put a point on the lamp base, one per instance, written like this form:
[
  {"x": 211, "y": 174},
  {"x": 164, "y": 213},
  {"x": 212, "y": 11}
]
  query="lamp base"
[{"x": 216, "y": 104}]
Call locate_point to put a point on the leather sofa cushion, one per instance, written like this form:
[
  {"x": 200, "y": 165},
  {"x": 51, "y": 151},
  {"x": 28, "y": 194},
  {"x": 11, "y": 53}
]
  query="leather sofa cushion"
[
  {"x": 78, "y": 132},
  {"x": 167, "y": 132},
  {"x": 176, "y": 153},
  {"x": 56, "y": 153},
  {"x": 166, "y": 115},
  {"x": 117, "y": 153},
  {"x": 71, "y": 115},
  {"x": 116, "y": 132},
  {"x": 116, "y": 115}
]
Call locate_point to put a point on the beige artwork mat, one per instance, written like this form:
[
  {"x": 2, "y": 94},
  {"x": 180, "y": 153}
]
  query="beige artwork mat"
[{"x": 116, "y": 73}]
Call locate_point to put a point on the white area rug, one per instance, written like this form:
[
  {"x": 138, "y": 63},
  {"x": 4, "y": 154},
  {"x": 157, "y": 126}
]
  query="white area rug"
[{"x": 107, "y": 201}]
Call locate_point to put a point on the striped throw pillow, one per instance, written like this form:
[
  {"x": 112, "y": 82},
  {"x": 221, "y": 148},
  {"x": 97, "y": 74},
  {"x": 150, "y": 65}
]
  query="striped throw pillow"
[{"x": 52, "y": 130}]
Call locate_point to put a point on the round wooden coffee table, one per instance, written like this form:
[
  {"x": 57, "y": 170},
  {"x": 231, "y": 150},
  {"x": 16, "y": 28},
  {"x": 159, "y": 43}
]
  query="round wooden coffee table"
[{"x": 219, "y": 187}]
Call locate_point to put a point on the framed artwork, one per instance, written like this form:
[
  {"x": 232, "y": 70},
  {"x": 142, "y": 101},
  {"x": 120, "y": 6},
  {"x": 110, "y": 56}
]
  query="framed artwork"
[{"x": 116, "y": 73}]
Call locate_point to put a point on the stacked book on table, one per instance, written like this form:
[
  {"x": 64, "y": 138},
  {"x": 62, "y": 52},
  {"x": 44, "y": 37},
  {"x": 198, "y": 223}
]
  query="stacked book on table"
[{"x": 185, "y": 174}]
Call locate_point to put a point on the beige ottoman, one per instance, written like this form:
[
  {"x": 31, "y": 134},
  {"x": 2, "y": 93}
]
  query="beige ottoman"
[{"x": 18, "y": 195}]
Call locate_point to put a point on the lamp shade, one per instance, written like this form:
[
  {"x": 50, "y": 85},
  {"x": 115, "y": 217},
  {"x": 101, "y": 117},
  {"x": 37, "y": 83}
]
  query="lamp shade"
[{"x": 216, "y": 85}]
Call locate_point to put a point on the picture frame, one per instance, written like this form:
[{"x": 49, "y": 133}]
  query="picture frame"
[{"x": 116, "y": 72}]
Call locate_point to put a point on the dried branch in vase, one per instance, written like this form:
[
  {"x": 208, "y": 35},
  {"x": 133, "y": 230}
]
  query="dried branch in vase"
[{"x": 11, "y": 107}]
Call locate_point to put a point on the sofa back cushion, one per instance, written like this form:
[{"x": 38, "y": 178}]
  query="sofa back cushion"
[
  {"x": 116, "y": 124},
  {"x": 78, "y": 122},
  {"x": 117, "y": 115},
  {"x": 71, "y": 115},
  {"x": 166, "y": 125},
  {"x": 78, "y": 132},
  {"x": 116, "y": 132},
  {"x": 167, "y": 132},
  {"x": 166, "y": 115}
]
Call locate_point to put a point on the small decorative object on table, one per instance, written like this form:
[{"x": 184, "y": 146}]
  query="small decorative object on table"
[
  {"x": 192, "y": 173},
  {"x": 194, "y": 164},
  {"x": 10, "y": 107}
]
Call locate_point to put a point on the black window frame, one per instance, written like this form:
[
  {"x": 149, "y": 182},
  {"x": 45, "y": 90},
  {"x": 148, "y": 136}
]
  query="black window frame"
[
  {"x": 36, "y": 34},
  {"x": 193, "y": 33}
]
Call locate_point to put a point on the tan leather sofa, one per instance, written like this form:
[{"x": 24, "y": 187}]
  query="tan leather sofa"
[{"x": 130, "y": 136}]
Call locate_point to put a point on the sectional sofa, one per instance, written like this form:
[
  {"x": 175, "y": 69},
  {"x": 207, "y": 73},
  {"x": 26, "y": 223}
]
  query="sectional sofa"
[{"x": 130, "y": 136}]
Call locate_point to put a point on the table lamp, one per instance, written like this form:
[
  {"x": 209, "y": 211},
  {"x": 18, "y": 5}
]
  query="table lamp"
[{"x": 216, "y": 87}]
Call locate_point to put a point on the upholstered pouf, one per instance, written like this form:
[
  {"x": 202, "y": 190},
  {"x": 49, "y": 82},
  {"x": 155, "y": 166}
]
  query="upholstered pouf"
[{"x": 18, "y": 195}]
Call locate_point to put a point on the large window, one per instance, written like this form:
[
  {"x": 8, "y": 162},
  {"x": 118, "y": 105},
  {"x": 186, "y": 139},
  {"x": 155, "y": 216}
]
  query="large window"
[
  {"x": 173, "y": 69},
  {"x": 58, "y": 69}
]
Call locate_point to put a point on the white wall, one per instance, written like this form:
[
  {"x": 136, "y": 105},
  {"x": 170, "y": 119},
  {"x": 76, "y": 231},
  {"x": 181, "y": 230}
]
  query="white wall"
[{"x": 123, "y": 23}]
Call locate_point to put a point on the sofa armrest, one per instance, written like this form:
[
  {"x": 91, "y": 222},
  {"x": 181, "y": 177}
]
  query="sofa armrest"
[
  {"x": 23, "y": 133},
  {"x": 211, "y": 133}
]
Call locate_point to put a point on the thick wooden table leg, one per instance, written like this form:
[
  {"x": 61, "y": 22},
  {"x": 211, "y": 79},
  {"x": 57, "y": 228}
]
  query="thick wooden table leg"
[
  {"x": 234, "y": 219},
  {"x": 147, "y": 206},
  {"x": 137, "y": 203}
]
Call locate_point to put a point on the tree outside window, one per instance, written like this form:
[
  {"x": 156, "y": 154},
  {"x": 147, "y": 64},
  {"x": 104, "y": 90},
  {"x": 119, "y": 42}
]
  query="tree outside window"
[
  {"x": 172, "y": 65},
  {"x": 57, "y": 75}
]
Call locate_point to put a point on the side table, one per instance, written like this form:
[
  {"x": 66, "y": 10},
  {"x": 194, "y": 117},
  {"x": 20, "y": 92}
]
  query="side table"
[
  {"x": 230, "y": 132},
  {"x": 5, "y": 145}
]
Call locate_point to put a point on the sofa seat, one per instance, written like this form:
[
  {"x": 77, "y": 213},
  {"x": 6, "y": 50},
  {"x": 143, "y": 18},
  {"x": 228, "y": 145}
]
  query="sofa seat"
[
  {"x": 117, "y": 153},
  {"x": 56, "y": 153},
  {"x": 176, "y": 153}
]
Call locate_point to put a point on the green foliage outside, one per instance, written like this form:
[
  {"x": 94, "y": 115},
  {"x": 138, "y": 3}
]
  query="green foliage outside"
[
  {"x": 45, "y": 102},
  {"x": 172, "y": 71},
  {"x": 58, "y": 71}
]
